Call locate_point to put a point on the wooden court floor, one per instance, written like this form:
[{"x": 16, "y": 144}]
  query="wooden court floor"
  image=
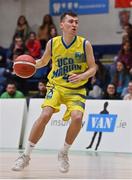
[{"x": 83, "y": 165}]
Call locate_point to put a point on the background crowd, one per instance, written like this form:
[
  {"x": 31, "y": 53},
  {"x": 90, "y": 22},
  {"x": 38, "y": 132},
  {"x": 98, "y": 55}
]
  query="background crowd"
[{"x": 112, "y": 81}]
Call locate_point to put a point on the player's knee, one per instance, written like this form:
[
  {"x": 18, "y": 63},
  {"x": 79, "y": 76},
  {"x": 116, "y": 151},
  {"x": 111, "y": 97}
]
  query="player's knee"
[
  {"x": 77, "y": 116},
  {"x": 77, "y": 119},
  {"x": 45, "y": 117}
]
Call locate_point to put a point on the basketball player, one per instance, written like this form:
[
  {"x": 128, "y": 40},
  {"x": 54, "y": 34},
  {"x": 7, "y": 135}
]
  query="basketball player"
[{"x": 72, "y": 65}]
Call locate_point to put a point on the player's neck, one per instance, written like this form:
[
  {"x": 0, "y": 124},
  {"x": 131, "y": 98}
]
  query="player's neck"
[{"x": 68, "y": 39}]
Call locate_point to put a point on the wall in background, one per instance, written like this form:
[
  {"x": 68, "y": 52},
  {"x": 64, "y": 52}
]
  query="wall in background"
[
  {"x": 99, "y": 29},
  {"x": 10, "y": 10}
]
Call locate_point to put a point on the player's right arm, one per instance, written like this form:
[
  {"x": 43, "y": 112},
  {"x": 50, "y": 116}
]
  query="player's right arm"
[{"x": 43, "y": 61}]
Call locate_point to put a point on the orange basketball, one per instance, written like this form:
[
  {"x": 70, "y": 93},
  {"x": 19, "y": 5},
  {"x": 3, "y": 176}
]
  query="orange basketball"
[{"x": 24, "y": 66}]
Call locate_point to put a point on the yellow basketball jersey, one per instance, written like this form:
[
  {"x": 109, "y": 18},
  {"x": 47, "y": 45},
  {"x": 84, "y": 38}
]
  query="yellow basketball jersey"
[{"x": 67, "y": 60}]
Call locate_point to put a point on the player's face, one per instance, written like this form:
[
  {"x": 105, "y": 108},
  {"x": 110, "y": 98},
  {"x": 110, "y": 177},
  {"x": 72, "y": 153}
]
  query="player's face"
[{"x": 69, "y": 25}]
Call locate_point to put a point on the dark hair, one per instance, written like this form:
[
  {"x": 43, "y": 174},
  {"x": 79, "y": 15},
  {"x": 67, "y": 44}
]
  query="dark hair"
[
  {"x": 11, "y": 82},
  {"x": 70, "y": 13},
  {"x": 122, "y": 51},
  {"x": 116, "y": 76},
  {"x": 18, "y": 20},
  {"x": 32, "y": 33},
  {"x": 113, "y": 84},
  {"x": 42, "y": 81},
  {"x": 19, "y": 52},
  {"x": 52, "y": 27},
  {"x": 130, "y": 81},
  {"x": 47, "y": 19}
]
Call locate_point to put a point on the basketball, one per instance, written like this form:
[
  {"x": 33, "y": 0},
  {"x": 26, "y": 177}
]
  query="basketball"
[{"x": 24, "y": 66}]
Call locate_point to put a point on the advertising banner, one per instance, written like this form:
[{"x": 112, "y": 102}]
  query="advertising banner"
[
  {"x": 12, "y": 116},
  {"x": 81, "y": 7},
  {"x": 106, "y": 127}
]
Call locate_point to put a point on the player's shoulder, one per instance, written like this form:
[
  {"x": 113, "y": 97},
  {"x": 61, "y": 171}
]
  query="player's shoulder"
[
  {"x": 56, "y": 38},
  {"x": 83, "y": 41},
  {"x": 81, "y": 38},
  {"x": 53, "y": 40}
]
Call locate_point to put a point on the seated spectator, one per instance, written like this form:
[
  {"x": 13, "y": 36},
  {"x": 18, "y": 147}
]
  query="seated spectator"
[
  {"x": 120, "y": 77},
  {"x": 96, "y": 91},
  {"x": 127, "y": 36},
  {"x": 22, "y": 29},
  {"x": 21, "y": 82},
  {"x": 11, "y": 91},
  {"x": 43, "y": 31},
  {"x": 17, "y": 44},
  {"x": 124, "y": 16},
  {"x": 125, "y": 55},
  {"x": 110, "y": 92},
  {"x": 128, "y": 96},
  {"x": 41, "y": 90},
  {"x": 17, "y": 53},
  {"x": 2, "y": 57},
  {"x": 52, "y": 32},
  {"x": 124, "y": 92},
  {"x": 2, "y": 79},
  {"x": 33, "y": 46},
  {"x": 102, "y": 75}
]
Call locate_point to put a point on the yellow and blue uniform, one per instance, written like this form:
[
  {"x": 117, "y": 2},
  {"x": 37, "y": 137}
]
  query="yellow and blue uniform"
[{"x": 66, "y": 60}]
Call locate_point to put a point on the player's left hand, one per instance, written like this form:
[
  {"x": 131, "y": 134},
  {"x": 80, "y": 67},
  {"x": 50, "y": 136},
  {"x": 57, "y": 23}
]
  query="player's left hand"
[{"x": 75, "y": 78}]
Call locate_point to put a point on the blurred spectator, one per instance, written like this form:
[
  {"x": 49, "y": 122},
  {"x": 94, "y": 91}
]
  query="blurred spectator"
[
  {"x": 43, "y": 31},
  {"x": 16, "y": 49},
  {"x": 124, "y": 17},
  {"x": 125, "y": 55},
  {"x": 2, "y": 57},
  {"x": 17, "y": 44},
  {"x": 22, "y": 28},
  {"x": 120, "y": 77},
  {"x": 2, "y": 79},
  {"x": 17, "y": 53},
  {"x": 110, "y": 92},
  {"x": 20, "y": 82},
  {"x": 11, "y": 91},
  {"x": 127, "y": 36},
  {"x": 96, "y": 91},
  {"x": 4, "y": 71},
  {"x": 102, "y": 75},
  {"x": 33, "y": 46},
  {"x": 41, "y": 90},
  {"x": 52, "y": 32},
  {"x": 124, "y": 92},
  {"x": 128, "y": 96}
]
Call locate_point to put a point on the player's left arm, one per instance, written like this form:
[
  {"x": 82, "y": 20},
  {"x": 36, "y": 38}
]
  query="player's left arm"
[{"x": 91, "y": 66}]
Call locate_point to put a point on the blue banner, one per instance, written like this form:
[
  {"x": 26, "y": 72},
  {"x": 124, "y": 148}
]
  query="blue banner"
[
  {"x": 101, "y": 122},
  {"x": 81, "y": 7}
]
